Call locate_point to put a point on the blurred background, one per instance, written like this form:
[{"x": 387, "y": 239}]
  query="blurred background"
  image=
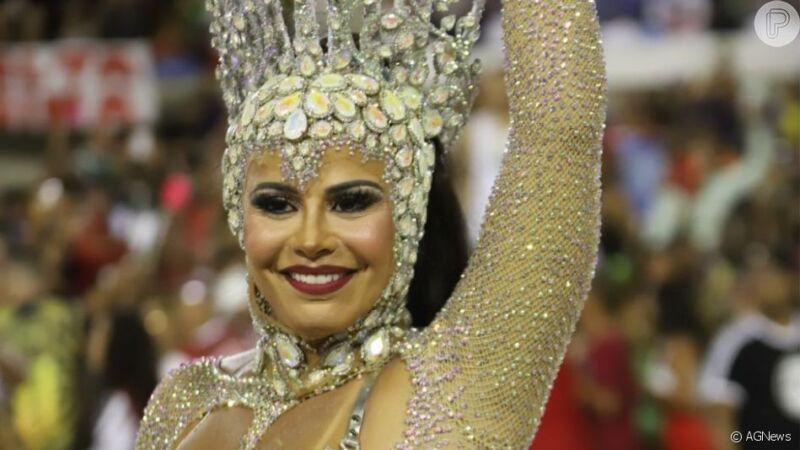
[{"x": 116, "y": 264}]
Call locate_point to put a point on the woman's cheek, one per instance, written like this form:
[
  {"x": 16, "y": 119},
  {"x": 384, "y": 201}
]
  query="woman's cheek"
[
  {"x": 263, "y": 240},
  {"x": 370, "y": 237}
]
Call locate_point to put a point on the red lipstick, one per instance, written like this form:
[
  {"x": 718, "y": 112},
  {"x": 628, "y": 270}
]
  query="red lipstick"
[{"x": 320, "y": 280}]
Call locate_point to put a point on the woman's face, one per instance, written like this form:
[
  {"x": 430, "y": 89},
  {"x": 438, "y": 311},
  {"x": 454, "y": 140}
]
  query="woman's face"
[{"x": 320, "y": 256}]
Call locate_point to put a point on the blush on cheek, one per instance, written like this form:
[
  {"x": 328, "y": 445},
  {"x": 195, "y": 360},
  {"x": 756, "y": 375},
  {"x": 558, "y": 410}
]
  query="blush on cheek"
[
  {"x": 262, "y": 242},
  {"x": 371, "y": 237}
]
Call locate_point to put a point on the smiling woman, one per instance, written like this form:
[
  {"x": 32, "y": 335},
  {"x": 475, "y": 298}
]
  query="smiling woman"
[
  {"x": 327, "y": 179},
  {"x": 321, "y": 256}
]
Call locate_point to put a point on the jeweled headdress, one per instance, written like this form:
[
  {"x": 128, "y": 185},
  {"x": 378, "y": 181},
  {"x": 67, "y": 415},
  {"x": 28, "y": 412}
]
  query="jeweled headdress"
[{"x": 379, "y": 78}]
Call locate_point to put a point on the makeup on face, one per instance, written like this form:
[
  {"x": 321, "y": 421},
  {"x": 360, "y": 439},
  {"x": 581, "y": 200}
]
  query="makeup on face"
[
  {"x": 320, "y": 255},
  {"x": 351, "y": 197},
  {"x": 321, "y": 280}
]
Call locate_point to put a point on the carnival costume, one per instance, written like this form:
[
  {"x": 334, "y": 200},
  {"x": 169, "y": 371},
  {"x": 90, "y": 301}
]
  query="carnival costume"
[{"x": 385, "y": 83}]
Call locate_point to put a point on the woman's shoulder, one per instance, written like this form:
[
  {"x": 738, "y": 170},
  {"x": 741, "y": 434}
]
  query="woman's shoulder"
[{"x": 181, "y": 399}]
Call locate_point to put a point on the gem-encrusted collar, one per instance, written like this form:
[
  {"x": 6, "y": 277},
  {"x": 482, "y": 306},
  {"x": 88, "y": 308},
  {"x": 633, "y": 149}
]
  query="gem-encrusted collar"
[
  {"x": 283, "y": 361},
  {"x": 283, "y": 358}
]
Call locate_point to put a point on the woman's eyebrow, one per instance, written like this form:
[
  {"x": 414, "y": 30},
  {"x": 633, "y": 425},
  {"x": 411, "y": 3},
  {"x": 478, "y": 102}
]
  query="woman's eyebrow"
[
  {"x": 280, "y": 187},
  {"x": 337, "y": 188}
]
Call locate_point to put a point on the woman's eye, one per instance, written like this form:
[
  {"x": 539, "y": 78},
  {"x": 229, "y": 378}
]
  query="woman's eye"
[
  {"x": 354, "y": 201},
  {"x": 273, "y": 204}
]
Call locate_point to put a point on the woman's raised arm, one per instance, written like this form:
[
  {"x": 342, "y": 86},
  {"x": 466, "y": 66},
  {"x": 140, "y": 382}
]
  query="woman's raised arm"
[{"x": 494, "y": 350}]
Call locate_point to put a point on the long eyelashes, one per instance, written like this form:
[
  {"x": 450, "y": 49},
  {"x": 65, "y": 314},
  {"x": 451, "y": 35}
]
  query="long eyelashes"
[
  {"x": 273, "y": 203},
  {"x": 350, "y": 201},
  {"x": 355, "y": 200}
]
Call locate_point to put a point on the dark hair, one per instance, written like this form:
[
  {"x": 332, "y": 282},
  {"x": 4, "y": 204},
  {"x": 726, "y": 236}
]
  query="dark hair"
[
  {"x": 130, "y": 360},
  {"x": 443, "y": 250}
]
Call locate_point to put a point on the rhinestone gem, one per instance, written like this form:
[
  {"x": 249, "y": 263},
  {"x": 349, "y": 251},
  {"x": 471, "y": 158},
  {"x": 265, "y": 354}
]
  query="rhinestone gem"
[
  {"x": 265, "y": 112},
  {"x": 404, "y": 158},
  {"x": 340, "y": 359},
  {"x": 385, "y": 51},
  {"x": 399, "y": 134},
  {"x": 307, "y": 66},
  {"x": 372, "y": 319},
  {"x": 305, "y": 148},
  {"x": 291, "y": 84},
  {"x": 289, "y": 354},
  {"x": 400, "y": 75},
  {"x": 411, "y": 97},
  {"x": 404, "y": 41},
  {"x": 371, "y": 142},
  {"x": 391, "y": 103},
  {"x": 455, "y": 121},
  {"x": 417, "y": 202},
  {"x": 416, "y": 131},
  {"x": 275, "y": 129},
  {"x": 449, "y": 22},
  {"x": 432, "y": 123},
  {"x": 341, "y": 61},
  {"x": 280, "y": 387},
  {"x": 428, "y": 158},
  {"x": 321, "y": 129},
  {"x": 407, "y": 226},
  {"x": 264, "y": 94},
  {"x": 376, "y": 347},
  {"x": 419, "y": 75},
  {"x": 390, "y": 21},
  {"x": 406, "y": 186},
  {"x": 365, "y": 83},
  {"x": 375, "y": 118},
  {"x": 248, "y": 132},
  {"x": 358, "y": 97},
  {"x": 317, "y": 104},
  {"x": 330, "y": 82},
  {"x": 247, "y": 112},
  {"x": 296, "y": 125},
  {"x": 298, "y": 163},
  {"x": 439, "y": 95},
  {"x": 357, "y": 130},
  {"x": 287, "y": 105},
  {"x": 316, "y": 378},
  {"x": 343, "y": 107},
  {"x": 239, "y": 22},
  {"x": 272, "y": 83}
]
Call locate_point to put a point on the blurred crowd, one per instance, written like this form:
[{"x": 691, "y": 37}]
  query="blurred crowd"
[
  {"x": 181, "y": 21},
  {"x": 116, "y": 264}
]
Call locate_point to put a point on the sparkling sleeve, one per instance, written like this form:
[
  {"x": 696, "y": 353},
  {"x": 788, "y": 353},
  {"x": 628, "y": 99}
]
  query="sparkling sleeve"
[
  {"x": 181, "y": 399},
  {"x": 488, "y": 361}
]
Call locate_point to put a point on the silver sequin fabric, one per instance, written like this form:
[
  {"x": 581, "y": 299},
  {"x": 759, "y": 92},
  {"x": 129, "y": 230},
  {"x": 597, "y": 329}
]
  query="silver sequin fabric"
[{"x": 482, "y": 372}]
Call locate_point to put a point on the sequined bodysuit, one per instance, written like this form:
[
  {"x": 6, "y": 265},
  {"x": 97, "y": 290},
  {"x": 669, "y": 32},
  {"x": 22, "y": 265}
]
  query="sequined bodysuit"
[{"x": 481, "y": 373}]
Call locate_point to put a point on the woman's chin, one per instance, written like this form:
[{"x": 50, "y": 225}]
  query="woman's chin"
[{"x": 316, "y": 320}]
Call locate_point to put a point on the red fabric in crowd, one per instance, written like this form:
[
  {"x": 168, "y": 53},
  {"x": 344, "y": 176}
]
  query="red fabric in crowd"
[
  {"x": 563, "y": 425},
  {"x": 608, "y": 366}
]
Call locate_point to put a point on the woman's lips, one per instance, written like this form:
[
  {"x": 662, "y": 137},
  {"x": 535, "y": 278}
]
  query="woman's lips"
[{"x": 317, "y": 281}]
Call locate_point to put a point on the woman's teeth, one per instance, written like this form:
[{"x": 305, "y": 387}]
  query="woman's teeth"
[{"x": 316, "y": 279}]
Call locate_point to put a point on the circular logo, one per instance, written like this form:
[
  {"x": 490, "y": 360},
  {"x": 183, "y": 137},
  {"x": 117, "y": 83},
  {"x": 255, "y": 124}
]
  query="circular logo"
[
  {"x": 777, "y": 23},
  {"x": 736, "y": 437}
]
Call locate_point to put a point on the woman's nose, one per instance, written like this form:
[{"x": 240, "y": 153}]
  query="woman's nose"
[{"x": 314, "y": 240}]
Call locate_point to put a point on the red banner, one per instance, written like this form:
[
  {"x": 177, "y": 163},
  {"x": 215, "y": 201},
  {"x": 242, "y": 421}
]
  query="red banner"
[{"x": 79, "y": 83}]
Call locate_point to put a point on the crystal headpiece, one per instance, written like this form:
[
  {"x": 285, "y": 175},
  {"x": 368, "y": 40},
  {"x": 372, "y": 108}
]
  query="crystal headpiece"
[{"x": 387, "y": 81}]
